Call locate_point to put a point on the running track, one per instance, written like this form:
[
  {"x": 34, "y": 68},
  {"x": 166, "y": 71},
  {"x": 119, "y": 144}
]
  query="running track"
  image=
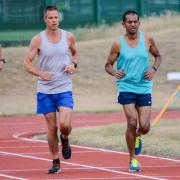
[{"x": 22, "y": 158}]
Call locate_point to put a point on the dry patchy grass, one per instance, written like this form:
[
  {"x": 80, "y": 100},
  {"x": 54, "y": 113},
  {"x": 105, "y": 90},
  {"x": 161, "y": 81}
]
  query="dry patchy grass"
[
  {"x": 94, "y": 90},
  {"x": 163, "y": 140}
]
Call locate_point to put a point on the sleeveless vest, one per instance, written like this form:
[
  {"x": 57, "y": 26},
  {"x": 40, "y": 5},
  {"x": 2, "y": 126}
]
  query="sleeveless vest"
[
  {"x": 54, "y": 57},
  {"x": 135, "y": 62}
]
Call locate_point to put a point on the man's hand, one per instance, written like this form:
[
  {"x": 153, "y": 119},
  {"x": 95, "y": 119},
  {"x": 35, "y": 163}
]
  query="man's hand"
[
  {"x": 149, "y": 74},
  {"x": 70, "y": 68},
  {"x": 120, "y": 74},
  {"x": 45, "y": 75}
]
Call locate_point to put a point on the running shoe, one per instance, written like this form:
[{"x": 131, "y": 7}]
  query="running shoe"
[
  {"x": 55, "y": 167},
  {"x": 134, "y": 165},
  {"x": 66, "y": 149},
  {"x": 138, "y": 145}
]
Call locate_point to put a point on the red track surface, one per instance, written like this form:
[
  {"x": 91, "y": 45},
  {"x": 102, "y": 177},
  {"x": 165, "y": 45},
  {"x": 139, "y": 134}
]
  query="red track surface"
[{"x": 23, "y": 159}]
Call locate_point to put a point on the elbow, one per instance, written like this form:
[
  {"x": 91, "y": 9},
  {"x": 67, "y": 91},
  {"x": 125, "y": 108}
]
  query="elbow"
[
  {"x": 26, "y": 65},
  {"x": 159, "y": 59},
  {"x": 106, "y": 67}
]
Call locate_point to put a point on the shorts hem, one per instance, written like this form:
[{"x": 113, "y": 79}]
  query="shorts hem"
[
  {"x": 45, "y": 112},
  {"x": 70, "y": 107}
]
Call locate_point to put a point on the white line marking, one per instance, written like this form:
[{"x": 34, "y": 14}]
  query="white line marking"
[
  {"x": 16, "y": 136},
  {"x": 92, "y": 178},
  {"x": 87, "y": 166},
  {"x": 12, "y": 177},
  {"x": 20, "y": 147},
  {"x": 80, "y": 168},
  {"x": 111, "y": 151}
]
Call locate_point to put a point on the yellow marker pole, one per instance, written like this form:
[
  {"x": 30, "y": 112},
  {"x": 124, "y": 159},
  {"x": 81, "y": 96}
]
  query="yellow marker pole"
[{"x": 157, "y": 119}]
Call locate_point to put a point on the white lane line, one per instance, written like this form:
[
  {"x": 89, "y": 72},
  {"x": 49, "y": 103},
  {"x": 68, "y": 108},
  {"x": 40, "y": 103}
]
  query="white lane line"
[
  {"x": 81, "y": 168},
  {"x": 20, "y": 147},
  {"x": 12, "y": 177},
  {"x": 121, "y": 177},
  {"x": 111, "y": 151},
  {"x": 16, "y": 136},
  {"x": 86, "y": 166}
]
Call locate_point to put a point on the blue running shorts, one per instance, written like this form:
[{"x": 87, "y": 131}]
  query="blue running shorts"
[
  {"x": 51, "y": 102},
  {"x": 134, "y": 98}
]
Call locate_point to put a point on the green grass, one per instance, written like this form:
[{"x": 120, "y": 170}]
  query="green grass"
[
  {"x": 17, "y": 35},
  {"x": 103, "y": 31}
]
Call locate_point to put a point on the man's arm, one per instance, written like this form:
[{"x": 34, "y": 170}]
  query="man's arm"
[
  {"x": 113, "y": 55},
  {"x": 31, "y": 54},
  {"x": 156, "y": 54},
  {"x": 74, "y": 54}
]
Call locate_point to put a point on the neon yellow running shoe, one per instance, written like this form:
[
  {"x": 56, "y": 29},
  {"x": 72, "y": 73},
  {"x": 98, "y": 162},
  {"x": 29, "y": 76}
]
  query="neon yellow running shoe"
[
  {"x": 134, "y": 165},
  {"x": 138, "y": 145}
]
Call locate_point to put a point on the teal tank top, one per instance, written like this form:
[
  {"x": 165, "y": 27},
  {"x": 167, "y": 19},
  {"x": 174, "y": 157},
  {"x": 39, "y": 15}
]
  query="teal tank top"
[{"x": 135, "y": 62}]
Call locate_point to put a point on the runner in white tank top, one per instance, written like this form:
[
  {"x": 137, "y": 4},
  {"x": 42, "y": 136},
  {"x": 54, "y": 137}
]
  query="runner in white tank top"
[
  {"x": 57, "y": 55},
  {"x": 54, "y": 57}
]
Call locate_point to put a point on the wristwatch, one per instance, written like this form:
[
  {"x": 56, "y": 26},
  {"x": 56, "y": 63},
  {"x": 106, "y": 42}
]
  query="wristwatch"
[
  {"x": 155, "y": 68},
  {"x": 75, "y": 64},
  {"x": 3, "y": 60}
]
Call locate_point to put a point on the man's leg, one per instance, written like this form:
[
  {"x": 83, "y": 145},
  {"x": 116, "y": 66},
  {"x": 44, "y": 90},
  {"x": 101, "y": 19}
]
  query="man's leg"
[
  {"x": 53, "y": 141},
  {"x": 131, "y": 115},
  {"x": 52, "y": 133},
  {"x": 65, "y": 129},
  {"x": 144, "y": 116},
  {"x": 65, "y": 121}
]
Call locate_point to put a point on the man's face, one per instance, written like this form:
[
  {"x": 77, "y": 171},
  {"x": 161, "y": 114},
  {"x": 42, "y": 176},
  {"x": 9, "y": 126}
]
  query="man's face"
[
  {"x": 52, "y": 19},
  {"x": 131, "y": 24}
]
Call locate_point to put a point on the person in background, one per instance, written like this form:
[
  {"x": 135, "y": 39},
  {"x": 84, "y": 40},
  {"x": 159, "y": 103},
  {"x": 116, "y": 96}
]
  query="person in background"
[
  {"x": 134, "y": 76},
  {"x": 57, "y": 62},
  {"x": 2, "y": 60}
]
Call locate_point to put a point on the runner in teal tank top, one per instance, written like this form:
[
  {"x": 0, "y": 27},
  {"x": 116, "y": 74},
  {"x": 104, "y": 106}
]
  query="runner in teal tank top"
[{"x": 133, "y": 75}]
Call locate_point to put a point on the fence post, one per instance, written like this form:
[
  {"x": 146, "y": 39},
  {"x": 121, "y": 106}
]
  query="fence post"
[
  {"x": 96, "y": 12},
  {"x": 50, "y": 2},
  {"x": 139, "y": 6}
]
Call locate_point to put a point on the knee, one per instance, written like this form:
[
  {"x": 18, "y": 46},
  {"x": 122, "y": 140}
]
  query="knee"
[
  {"x": 132, "y": 123},
  {"x": 145, "y": 129},
  {"x": 65, "y": 129},
  {"x": 52, "y": 129}
]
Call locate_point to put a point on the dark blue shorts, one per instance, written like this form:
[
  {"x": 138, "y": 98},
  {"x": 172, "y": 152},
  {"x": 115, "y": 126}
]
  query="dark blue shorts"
[
  {"x": 134, "y": 98},
  {"x": 51, "y": 102}
]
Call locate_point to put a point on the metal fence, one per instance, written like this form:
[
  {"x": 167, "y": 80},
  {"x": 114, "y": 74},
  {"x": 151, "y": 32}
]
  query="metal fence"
[{"x": 28, "y": 14}]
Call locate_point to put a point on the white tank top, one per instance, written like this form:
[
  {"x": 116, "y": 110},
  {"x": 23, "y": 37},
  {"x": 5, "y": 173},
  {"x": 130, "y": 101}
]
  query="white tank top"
[{"x": 54, "y": 57}]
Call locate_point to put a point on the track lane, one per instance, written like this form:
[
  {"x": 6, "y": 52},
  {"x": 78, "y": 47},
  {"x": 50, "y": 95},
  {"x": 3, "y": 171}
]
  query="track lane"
[{"x": 85, "y": 163}]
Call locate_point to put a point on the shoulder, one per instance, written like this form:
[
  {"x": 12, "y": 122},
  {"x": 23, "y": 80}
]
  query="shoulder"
[
  {"x": 148, "y": 39},
  {"x": 70, "y": 37},
  {"x": 116, "y": 44},
  {"x": 36, "y": 41}
]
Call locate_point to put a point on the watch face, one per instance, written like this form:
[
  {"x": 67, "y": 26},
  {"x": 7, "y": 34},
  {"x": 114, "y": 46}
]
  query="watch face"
[
  {"x": 3, "y": 60},
  {"x": 75, "y": 64}
]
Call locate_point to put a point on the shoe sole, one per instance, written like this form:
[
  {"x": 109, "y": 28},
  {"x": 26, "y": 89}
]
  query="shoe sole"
[
  {"x": 134, "y": 170},
  {"x": 69, "y": 153},
  {"x": 57, "y": 172}
]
